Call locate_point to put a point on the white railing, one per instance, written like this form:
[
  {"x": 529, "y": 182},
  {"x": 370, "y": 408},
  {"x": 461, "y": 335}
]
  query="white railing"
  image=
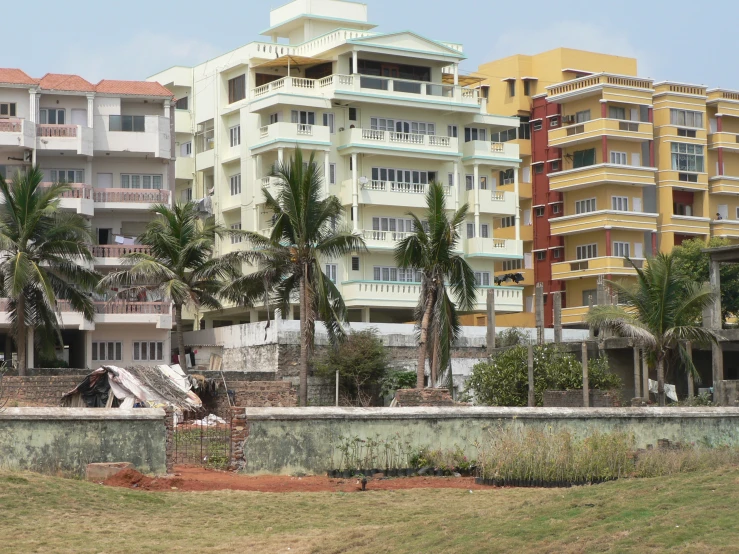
[
  {"x": 497, "y": 147},
  {"x": 264, "y": 131},
  {"x": 384, "y": 236},
  {"x": 147, "y": 196},
  {"x": 435, "y": 140},
  {"x": 304, "y": 129},
  {"x": 76, "y": 191},
  {"x": 119, "y": 250},
  {"x": 122, "y": 307},
  {"x": 408, "y": 138},
  {"x": 300, "y": 82},
  {"x": 393, "y": 137},
  {"x": 371, "y": 134},
  {"x": 497, "y": 196},
  {"x": 395, "y": 186}
]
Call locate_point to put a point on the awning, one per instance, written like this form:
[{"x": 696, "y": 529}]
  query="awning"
[
  {"x": 293, "y": 61},
  {"x": 464, "y": 80}
]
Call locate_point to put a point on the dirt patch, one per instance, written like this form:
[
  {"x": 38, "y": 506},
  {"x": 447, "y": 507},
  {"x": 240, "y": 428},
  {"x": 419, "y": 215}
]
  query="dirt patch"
[{"x": 188, "y": 478}]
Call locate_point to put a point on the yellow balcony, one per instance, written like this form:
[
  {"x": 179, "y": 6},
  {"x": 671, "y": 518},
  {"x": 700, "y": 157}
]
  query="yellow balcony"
[
  {"x": 594, "y": 221},
  {"x": 593, "y": 267},
  {"x": 685, "y": 225},
  {"x": 575, "y": 315},
  {"x": 599, "y": 174},
  {"x": 722, "y": 184},
  {"x": 524, "y": 146},
  {"x": 729, "y": 141},
  {"x": 725, "y": 228},
  {"x": 527, "y": 233},
  {"x": 528, "y": 275},
  {"x": 596, "y": 128},
  {"x": 610, "y": 86},
  {"x": 698, "y": 181}
]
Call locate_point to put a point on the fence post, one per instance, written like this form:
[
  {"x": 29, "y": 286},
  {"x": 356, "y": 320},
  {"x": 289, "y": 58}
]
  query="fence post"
[
  {"x": 239, "y": 434},
  {"x": 645, "y": 375},
  {"x": 169, "y": 445},
  {"x": 539, "y": 297},
  {"x": 532, "y": 396},
  {"x": 585, "y": 383},
  {"x": 637, "y": 373},
  {"x": 557, "y": 316}
]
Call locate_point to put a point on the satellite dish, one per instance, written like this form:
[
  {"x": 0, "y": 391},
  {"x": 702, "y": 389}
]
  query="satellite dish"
[{"x": 363, "y": 180}]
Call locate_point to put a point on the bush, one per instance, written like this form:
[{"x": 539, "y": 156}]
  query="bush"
[
  {"x": 397, "y": 379},
  {"x": 362, "y": 363},
  {"x": 513, "y": 336},
  {"x": 503, "y": 381}
]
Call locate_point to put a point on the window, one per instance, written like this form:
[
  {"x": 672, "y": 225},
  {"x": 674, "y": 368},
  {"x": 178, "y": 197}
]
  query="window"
[
  {"x": 527, "y": 88},
  {"x": 620, "y": 203},
  {"x": 331, "y": 174},
  {"x": 511, "y": 88},
  {"x": 127, "y": 123},
  {"x": 302, "y": 117},
  {"x": 689, "y": 133},
  {"x": 587, "y": 251},
  {"x": 394, "y": 274},
  {"x": 537, "y": 125},
  {"x": 331, "y": 271},
  {"x": 133, "y": 181},
  {"x": 585, "y": 206},
  {"x": 108, "y": 351},
  {"x": 484, "y": 230},
  {"x": 470, "y": 230},
  {"x": 507, "y": 176},
  {"x": 275, "y": 118},
  {"x": 475, "y": 133},
  {"x": 619, "y": 158},
  {"x": 589, "y": 297},
  {"x": 482, "y": 278},
  {"x": 236, "y": 89},
  {"x": 582, "y": 117},
  {"x": 554, "y": 121},
  {"x": 186, "y": 149},
  {"x": 355, "y": 263},
  {"x": 352, "y": 114},
  {"x": 236, "y": 239},
  {"x": 538, "y": 168},
  {"x": 541, "y": 256},
  {"x": 687, "y": 157},
  {"x": 152, "y": 351},
  {"x": 7, "y": 109},
  {"x": 328, "y": 121},
  {"x": 557, "y": 253},
  {"x": 483, "y": 183},
  {"x": 687, "y": 177},
  {"x": 621, "y": 249},
  {"x": 504, "y": 136},
  {"x": 616, "y": 113},
  {"x": 469, "y": 181},
  {"x": 234, "y": 134},
  {"x": 512, "y": 265},
  {"x": 554, "y": 165},
  {"x": 53, "y": 116},
  {"x": 524, "y": 130},
  {"x": 414, "y": 176},
  {"x": 235, "y": 184},
  {"x": 66, "y": 175},
  {"x": 452, "y": 131},
  {"x": 556, "y": 208},
  {"x": 686, "y": 118},
  {"x": 181, "y": 104},
  {"x": 539, "y": 212},
  {"x": 187, "y": 196},
  {"x": 508, "y": 221},
  {"x": 583, "y": 158}
]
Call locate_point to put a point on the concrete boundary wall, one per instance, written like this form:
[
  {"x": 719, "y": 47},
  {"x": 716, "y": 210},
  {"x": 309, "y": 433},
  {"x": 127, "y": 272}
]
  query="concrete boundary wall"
[
  {"x": 64, "y": 440},
  {"x": 289, "y": 440}
]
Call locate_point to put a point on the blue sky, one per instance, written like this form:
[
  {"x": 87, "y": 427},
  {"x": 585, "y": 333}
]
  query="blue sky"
[{"x": 672, "y": 39}]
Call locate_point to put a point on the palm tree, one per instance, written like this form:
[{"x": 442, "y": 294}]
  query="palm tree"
[
  {"x": 43, "y": 252},
  {"x": 181, "y": 266},
  {"x": 430, "y": 251},
  {"x": 306, "y": 230},
  {"x": 660, "y": 312}
]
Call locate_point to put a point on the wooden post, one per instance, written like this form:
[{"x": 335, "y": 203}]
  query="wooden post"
[
  {"x": 539, "y": 313},
  {"x": 491, "y": 322},
  {"x": 637, "y": 373},
  {"x": 645, "y": 375},
  {"x": 585, "y": 383},
  {"x": 691, "y": 387},
  {"x": 557, "y": 299},
  {"x": 532, "y": 396}
]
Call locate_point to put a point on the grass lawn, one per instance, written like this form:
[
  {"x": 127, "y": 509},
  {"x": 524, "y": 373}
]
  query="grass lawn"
[{"x": 687, "y": 513}]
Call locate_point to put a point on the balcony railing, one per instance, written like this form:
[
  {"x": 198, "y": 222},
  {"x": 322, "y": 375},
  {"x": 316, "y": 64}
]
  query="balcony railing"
[
  {"x": 118, "y": 250},
  {"x": 600, "y": 263},
  {"x": 393, "y": 186},
  {"x": 113, "y": 307},
  {"x": 384, "y": 236},
  {"x": 599, "y": 80},
  {"x": 56, "y": 131},
  {"x": 78, "y": 191},
  {"x": 11, "y": 125},
  {"x": 143, "y": 196}
]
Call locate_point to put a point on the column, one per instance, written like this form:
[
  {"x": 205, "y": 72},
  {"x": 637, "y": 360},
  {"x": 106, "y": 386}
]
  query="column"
[
  {"x": 88, "y": 171},
  {"x": 720, "y": 161},
  {"x": 637, "y": 373},
  {"x": 476, "y": 184},
  {"x": 257, "y": 183},
  {"x": 326, "y": 173},
  {"x": 253, "y": 316},
  {"x": 280, "y": 155},
  {"x": 455, "y": 182},
  {"x": 516, "y": 190},
  {"x": 604, "y": 138},
  {"x": 719, "y": 123},
  {"x": 365, "y": 315},
  {"x": 90, "y": 108},
  {"x": 654, "y": 244},
  {"x": 355, "y": 193},
  {"x": 166, "y": 109},
  {"x": 652, "y": 161},
  {"x": 715, "y": 278},
  {"x": 355, "y": 63},
  {"x": 32, "y": 106},
  {"x": 608, "y": 241},
  {"x": 88, "y": 350},
  {"x": 456, "y": 74},
  {"x": 650, "y": 114}
]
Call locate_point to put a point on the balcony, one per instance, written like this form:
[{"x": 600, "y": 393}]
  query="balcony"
[
  {"x": 528, "y": 275},
  {"x": 288, "y": 135},
  {"x": 593, "y": 267},
  {"x": 17, "y": 132},
  {"x": 728, "y": 141},
  {"x": 524, "y": 146},
  {"x": 65, "y": 138},
  {"x": 479, "y": 247},
  {"x": 722, "y": 184},
  {"x": 683, "y": 180},
  {"x": 495, "y": 202},
  {"x": 392, "y": 143},
  {"x": 596, "y": 128},
  {"x": 602, "y": 83},
  {"x": 527, "y": 232},
  {"x": 388, "y": 193},
  {"x": 575, "y": 315},
  {"x": 111, "y": 255},
  {"x": 395, "y": 294},
  {"x": 725, "y": 228},
  {"x": 502, "y": 154},
  {"x": 599, "y": 174},
  {"x": 185, "y": 168},
  {"x": 595, "y": 221},
  {"x": 129, "y": 199},
  {"x": 77, "y": 199},
  {"x": 271, "y": 184},
  {"x": 398, "y": 91},
  {"x": 148, "y": 135},
  {"x": 183, "y": 122},
  {"x": 382, "y": 240},
  {"x": 685, "y": 225}
]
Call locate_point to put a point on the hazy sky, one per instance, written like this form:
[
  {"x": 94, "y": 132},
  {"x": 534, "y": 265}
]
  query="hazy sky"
[{"x": 672, "y": 39}]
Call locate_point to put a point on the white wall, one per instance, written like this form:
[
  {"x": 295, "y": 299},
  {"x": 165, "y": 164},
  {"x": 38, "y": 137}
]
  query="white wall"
[
  {"x": 22, "y": 99},
  {"x": 127, "y": 334}
]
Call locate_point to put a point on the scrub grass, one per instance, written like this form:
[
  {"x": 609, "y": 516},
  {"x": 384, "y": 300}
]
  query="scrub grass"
[{"x": 694, "y": 512}]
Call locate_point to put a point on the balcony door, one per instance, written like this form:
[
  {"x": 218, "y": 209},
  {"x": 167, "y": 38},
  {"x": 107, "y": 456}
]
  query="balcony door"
[{"x": 390, "y": 70}]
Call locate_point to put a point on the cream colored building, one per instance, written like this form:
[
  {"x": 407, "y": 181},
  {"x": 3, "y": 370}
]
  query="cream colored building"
[
  {"x": 383, "y": 114},
  {"x": 112, "y": 142}
]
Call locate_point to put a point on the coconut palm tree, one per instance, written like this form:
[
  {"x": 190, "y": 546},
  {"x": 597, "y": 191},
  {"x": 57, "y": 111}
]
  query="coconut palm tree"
[
  {"x": 430, "y": 252},
  {"x": 660, "y": 312},
  {"x": 306, "y": 231},
  {"x": 181, "y": 266},
  {"x": 43, "y": 257}
]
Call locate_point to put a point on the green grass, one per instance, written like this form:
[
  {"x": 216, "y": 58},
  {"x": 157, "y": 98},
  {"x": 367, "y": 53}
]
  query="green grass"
[{"x": 686, "y": 513}]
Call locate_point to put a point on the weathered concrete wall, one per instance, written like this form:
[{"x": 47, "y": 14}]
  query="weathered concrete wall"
[
  {"x": 573, "y": 399},
  {"x": 284, "y": 440},
  {"x": 65, "y": 440},
  {"x": 37, "y": 391}
]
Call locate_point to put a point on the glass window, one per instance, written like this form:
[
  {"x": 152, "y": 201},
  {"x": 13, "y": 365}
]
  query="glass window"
[
  {"x": 236, "y": 89},
  {"x": 235, "y": 184},
  {"x": 582, "y": 116},
  {"x": 621, "y": 249},
  {"x": 620, "y": 203},
  {"x": 235, "y": 135},
  {"x": 616, "y": 113},
  {"x": 182, "y": 103},
  {"x": 687, "y": 157},
  {"x": 585, "y": 206},
  {"x": 587, "y": 251},
  {"x": 686, "y": 118},
  {"x": 619, "y": 158},
  {"x": 583, "y": 158}
]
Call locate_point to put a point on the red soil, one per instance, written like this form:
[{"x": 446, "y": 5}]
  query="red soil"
[{"x": 191, "y": 478}]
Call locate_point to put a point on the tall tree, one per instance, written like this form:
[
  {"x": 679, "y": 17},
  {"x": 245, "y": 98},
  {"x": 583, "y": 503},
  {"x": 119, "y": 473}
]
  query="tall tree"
[
  {"x": 182, "y": 265},
  {"x": 660, "y": 311},
  {"x": 306, "y": 231},
  {"x": 430, "y": 252},
  {"x": 43, "y": 257}
]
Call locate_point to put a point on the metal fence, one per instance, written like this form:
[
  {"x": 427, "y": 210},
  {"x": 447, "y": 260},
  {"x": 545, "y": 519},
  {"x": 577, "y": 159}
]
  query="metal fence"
[{"x": 203, "y": 438}]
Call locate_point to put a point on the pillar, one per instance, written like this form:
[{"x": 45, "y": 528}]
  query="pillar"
[
  {"x": 166, "y": 109},
  {"x": 88, "y": 350},
  {"x": 557, "y": 301},
  {"x": 650, "y": 115},
  {"x": 604, "y": 138},
  {"x": 691, "y": 387},
  {"x": 637, "y": 372},
  {"x": 645, "y": 375},
  {"x": 719, "y": 123},
  {"x": 256, "y": 188},
  {"x": 355, "y": 192},
  {"x": 720, "y": 161},
  {"x": 585, "y": 380},
  {"x": 253, "y": 316},
  {"x": 456, "y": 74},
  {"x": 455, "y": 181},
  {"x": 490, "y": 341},
  {"x": 516, "y": 190},
  {"x": 608, "y": 242},
  {"x": 366, "y": 315},
  {"x": 652, "y": 161},
  {"x": 88, "y": 171},
  {"x": 539, "y": 300},
  {"x": 476, "y": 184},
  {"x": 532, "y": 395},
  {"x": 32, "y": 106},
  {"x": 91, "y": 107},
  {"x": 714, "y": 272},
  {"x": 280, "y": 155},
  {"x": 326, "y": 172},
  {"x": 654, "y": 244},
  {"x": 355, "y": 63}
]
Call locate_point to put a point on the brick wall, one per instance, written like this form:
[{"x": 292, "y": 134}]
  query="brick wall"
[
  {"x": 37, "y": 391},
  {"x": 257, "y": 394},
  {"x": 408, "y": 398},
  {"x": 573, "y": 399}
]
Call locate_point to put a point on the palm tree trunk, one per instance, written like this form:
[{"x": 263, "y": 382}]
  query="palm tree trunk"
[
  {"x": 661, "y": 381},
  {"x": 435, "y": 362},
  {"x": 304, "y": 338},
  {"x": 21, "y": 334},
  {"x": 425, "y": 321},
  {"x": 180, "y": 337}
]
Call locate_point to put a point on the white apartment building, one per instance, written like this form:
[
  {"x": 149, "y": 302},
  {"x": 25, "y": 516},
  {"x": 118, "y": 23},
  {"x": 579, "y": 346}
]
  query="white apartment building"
[
  {"x": 113, "y": 143},
  {"x": 383, "y": 114}
]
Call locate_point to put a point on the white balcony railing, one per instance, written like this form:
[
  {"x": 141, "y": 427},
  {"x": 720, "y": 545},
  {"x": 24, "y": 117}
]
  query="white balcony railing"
[
  {"x": 393, "y": 186},
  {"x": 291, "y": 132},
  {"x": 118, "y": 250},
  {"x": 433, "y": 144},
  {"x": 77, "y": 191},
  {"x": 389, "y": 237},
  {"x": 142, "y": 196}
]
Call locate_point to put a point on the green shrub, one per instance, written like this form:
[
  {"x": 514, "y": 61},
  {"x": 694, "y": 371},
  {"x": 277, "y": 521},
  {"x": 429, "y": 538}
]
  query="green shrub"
[
  {"x": 396, "y": 379},
  {"x": 513, "y": 336}
]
